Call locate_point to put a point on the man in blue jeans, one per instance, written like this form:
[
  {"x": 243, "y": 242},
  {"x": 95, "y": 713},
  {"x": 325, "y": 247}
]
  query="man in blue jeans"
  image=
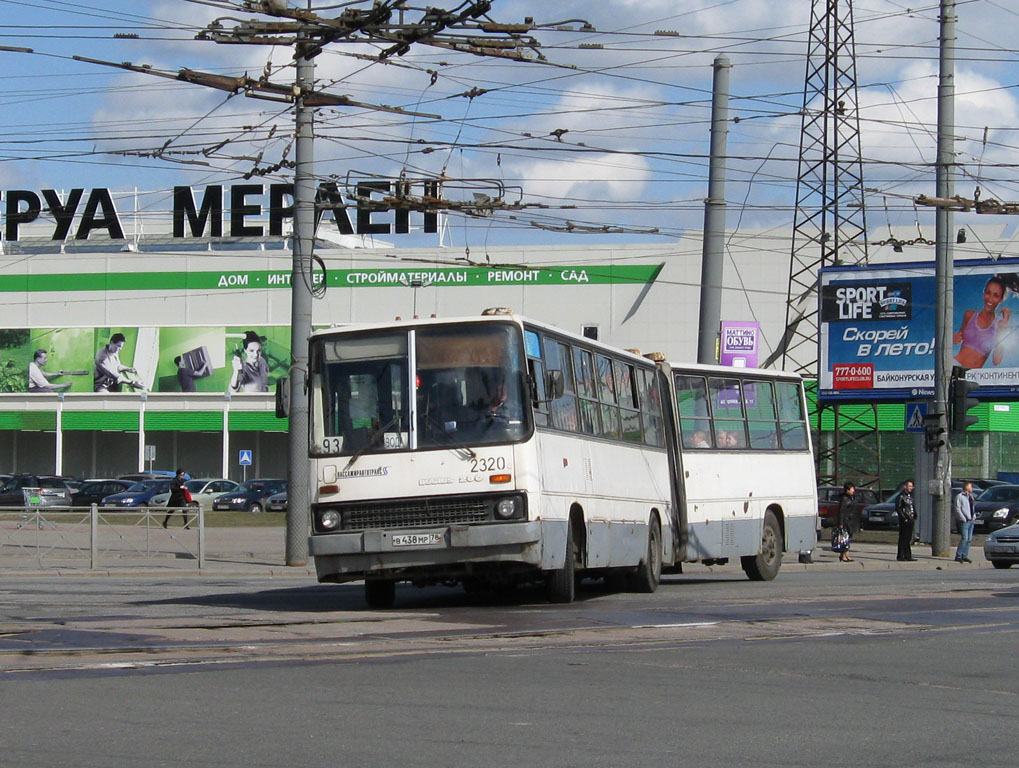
[{"x": 963, "y": 512}]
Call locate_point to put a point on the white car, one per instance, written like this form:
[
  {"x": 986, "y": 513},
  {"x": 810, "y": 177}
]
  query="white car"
[{"x": 203, "y": 491}]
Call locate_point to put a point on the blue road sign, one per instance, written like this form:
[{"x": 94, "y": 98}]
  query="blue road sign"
[
  {"x": 244, "y": 458},
  {"x": 914, "y": 416}
]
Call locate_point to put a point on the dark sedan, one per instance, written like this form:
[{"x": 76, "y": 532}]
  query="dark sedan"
[
  {"x": 94, "y": 491},
  {"x": 138, "y": 495},
  {"x": 997, "y": 507},
  {"x": 883, "y": 515},
  {"x": 250, "y": 497}
]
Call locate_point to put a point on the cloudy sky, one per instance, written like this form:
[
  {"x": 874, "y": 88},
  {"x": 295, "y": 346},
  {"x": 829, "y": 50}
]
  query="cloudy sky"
[{"x": 603, "y": 124}]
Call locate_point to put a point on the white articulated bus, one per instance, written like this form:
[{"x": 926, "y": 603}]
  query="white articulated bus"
[
  {"x": 494, "y": 450},
  {"x": 746, "y": 482}
]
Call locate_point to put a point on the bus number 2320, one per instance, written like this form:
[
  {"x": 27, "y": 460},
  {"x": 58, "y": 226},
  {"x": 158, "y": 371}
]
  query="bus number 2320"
[{"x": 488, "y": 463}]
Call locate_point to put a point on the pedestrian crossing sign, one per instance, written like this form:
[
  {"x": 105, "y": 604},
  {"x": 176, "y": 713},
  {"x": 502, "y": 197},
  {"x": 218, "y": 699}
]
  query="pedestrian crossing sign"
[{"x": 914, "y": 416}]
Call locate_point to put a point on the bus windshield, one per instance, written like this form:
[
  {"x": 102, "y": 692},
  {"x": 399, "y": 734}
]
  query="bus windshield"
[{"x": 468, "y": 383}]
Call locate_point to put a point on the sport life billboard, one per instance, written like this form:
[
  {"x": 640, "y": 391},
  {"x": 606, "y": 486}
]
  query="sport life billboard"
[
  {"x": 114, "y": 359},
  {"x": 877, "y": 330}
]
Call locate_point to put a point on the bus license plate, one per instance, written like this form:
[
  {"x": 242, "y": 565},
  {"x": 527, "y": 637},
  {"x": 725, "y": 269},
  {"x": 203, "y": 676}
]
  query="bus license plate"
[{"x": 416, "y": 539}]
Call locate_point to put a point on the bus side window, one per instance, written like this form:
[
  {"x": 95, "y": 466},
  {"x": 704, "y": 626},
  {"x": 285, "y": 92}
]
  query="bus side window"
[
  {"x": 627, "y": 396},
  {"x": 607, "y": 395},
  {"x": 726, "y": 399},
  {"x": 792, "y": 424},
  {"x": 536, "y": 373},
  {"x": 694, "y": 415},
  {"x": 562, "y": 410},
  {"x": 762, "y": 416},
  {"x": 651, "y": 410},
  {"x": 583, "y": 368}
]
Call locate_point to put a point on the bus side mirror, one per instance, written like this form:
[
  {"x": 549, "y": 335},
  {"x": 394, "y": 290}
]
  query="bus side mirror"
[
  {"x": 282, "y": 398},
  {"x": 554, "y": 384}
]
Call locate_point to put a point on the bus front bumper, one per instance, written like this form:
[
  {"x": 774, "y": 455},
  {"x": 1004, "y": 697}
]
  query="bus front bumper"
[{"x": 345, "y": 556}]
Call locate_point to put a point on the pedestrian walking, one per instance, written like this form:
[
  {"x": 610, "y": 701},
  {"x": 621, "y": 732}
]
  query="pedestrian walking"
[
  {"x": 178, "y": 498},
  {"x": 906, "y": 512},
  {"x": 846, "y": 523},
  {"x": 963, "y": 510}
]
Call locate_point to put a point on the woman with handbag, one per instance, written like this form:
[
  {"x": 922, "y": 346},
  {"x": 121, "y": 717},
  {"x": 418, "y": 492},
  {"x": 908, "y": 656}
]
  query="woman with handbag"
[
  {"x": 846, "y": 523},
  {"x": 178, "y": 498}
]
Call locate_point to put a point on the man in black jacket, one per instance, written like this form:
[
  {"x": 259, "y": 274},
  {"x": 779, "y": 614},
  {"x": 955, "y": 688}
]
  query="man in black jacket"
[{"x": 907, "y": 516}]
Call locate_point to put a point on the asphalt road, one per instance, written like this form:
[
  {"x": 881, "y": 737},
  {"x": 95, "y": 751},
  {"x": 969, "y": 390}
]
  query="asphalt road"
[{"x": 860, "y": 668}]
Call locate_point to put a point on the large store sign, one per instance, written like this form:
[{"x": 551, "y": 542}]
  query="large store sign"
[
  {"x": 877, "y": 330},
  {"x": 247, "y": 279},
  {"x": 170, "y": 359},
  {"x": 241, "y": 210}
]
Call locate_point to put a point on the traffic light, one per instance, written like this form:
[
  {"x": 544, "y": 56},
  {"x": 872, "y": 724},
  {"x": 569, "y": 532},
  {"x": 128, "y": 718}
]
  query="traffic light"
[
  {"x": 961, "y": 401},
  {"x": 934, "y": 432}
]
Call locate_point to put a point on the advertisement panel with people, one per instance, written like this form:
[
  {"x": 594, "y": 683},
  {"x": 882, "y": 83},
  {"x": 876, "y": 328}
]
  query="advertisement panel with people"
[
  {"x": 877, "y": 328},
  {"x": 126, "y": 359}
]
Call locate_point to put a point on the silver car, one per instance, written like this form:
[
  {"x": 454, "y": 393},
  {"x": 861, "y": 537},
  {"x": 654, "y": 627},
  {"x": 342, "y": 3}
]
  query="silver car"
[
  {"x": 277, "y": 502},
  {"x": 1002, "y": 547}
]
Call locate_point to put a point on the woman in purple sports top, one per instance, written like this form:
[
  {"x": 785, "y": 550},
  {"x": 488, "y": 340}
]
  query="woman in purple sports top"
[{"x": 982, "y": 330}]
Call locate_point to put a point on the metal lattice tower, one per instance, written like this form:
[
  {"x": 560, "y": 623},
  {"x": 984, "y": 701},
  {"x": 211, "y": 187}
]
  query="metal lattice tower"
[{"x": 830, "y": 225}]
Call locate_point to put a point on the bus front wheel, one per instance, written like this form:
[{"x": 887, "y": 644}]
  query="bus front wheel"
[
  {"x": 649, "y": 573},
  {"x": 380, "y": 593},
  {"x": 561, "y": 583},
  {"x": 765, "y": 564}
]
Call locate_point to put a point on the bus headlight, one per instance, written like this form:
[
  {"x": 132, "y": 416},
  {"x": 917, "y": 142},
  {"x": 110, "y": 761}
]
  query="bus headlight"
[
  {"x": 507, "y": 508},
  {"x": 329, "y": 519}
]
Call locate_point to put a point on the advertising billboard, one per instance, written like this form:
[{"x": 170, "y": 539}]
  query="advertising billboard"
[
  {"x": 740, "y": 342},
  {"x": 116, "y": 359},
  {"x": 877, "y": 330}
]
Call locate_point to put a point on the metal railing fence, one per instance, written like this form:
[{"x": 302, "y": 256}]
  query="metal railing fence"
[{"x": 104, "y": 537}]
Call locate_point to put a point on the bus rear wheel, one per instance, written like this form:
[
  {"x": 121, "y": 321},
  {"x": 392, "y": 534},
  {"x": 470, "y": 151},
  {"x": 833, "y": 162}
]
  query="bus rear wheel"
[
  {"x": 764, "y": 565},
  {"x": 561, "y": 583},
  {"x": 649, "y": 573},
  {"x": 380, "y": 593}
]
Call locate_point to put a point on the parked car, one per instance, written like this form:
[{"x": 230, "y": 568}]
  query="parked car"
[
  {"x": 35, "y": 491},
  {"x": 138, "y": 495},
  {"x": 1002, "y": 547},
  {"x": 250, "y": 497},
  {"x": 997, "y": 507},
  {"x": 828, "y": 502},
  {"x": 203, "y": 491},
  {"x": 277, "y": 502},
  {"x": 883, "y": 515},
  {"x": 156, "y": 474},
  {"x": 94, "y": 491},
  {"x": 979, "y": 483}
]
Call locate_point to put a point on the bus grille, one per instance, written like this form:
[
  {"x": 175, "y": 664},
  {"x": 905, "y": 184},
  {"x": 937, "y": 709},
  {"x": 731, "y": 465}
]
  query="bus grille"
[{"x": 416, "y": 513}]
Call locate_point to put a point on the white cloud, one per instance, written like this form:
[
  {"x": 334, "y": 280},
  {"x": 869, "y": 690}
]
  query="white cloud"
[{"x": 591, "y": 178}]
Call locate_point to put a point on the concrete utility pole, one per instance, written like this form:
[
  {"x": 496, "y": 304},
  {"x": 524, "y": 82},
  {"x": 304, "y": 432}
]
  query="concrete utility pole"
[
  {"x": 298, "y": 467},
  {"x": 941, "y": 485},
  {"x": 309, "y": 33},
  {"x": 712, "y": 256}
]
